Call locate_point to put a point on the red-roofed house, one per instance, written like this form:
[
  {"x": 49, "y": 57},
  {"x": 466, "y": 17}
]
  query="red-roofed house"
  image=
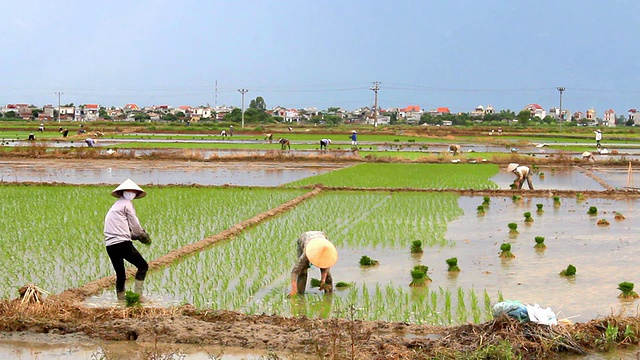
[
  {"x": 411, "y": 113},
  {"x": 536, "y": 110},
  {"x": 87, "y": 112},
  {"x": 443, "y": 110},
  {"x": 131, "y": 107}
]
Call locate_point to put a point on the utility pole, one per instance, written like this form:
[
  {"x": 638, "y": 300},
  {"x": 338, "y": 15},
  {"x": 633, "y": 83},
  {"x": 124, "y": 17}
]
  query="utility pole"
[
  {"x": 243, "y": 91},
  {"x": 561, "y": 90},
  {"x": 59, "y": 93},
  {"x": 375, "y": 88}
]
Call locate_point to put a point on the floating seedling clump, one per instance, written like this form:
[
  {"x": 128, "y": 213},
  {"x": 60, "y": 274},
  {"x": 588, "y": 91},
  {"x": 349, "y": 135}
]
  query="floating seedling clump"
[
  {"x": 419, "y": 277},
  {"x": 619, "y": 216},
  {"x": 541, "y": 175},
  {"x": 486, "y": 200},
  {"x": 527, "y": 217},
  {"x": 506, "y": 251},
  {"x": 513, "y": 228},
  {"x": 416, "y": 247},
  {"x": 453, "y": 264},
  {"x": 569, "y": 271},
  {"x": 556, "y": 201},
  {"x": 516, "y": 198},
  {"x": 626, "y": 291},
  {"x": 342, "y": 284},
  {"x": 540, "y": 243},
  {"x": 592, "y": 210},
  {"x": 603, "y": 222},
  {"x": 579, "y": 196},
  {"x": 480, "y": 210},
  {"x": 539, "y": 210},
  {"x": 367, "y": 261}
]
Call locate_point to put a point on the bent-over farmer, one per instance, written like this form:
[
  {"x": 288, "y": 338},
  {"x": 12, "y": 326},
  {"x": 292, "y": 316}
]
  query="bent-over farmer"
[
  {"x": 313, "y": 248},
  {"x": 284, "y": 143},
  {"x": 121, "y": 225},
  {"x": 324, "y": 144},
  {"x": 455, "y": 149},
  {"x": 522, "y": 173}
]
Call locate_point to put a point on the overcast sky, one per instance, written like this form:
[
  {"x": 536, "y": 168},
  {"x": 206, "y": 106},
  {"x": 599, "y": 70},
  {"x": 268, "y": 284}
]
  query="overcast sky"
[{"x": 454, "y": 53}]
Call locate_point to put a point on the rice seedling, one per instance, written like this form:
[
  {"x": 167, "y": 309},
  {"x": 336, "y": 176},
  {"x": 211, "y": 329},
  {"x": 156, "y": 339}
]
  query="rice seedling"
[
  {"x": 342, "y": 284},
  {"x": 626, "y": 290},
  {"x": 569, "y": 271},
  {"x": 480, "y": 210},
  {"x": 556, "y": 201},
  {"x": 132, "y": 299},
  {"x": 516, "y": 198},
  {"x": 419, "y": 277},
  {"x": 541, "y": 175},
  {"x": 452, "y": 264},
  {"x": 580, "y": 197},
  {"x": 367, "y": 261},
  {"x": 602, "y": 222},
  {"x": 513, "y": 228},
  {"x": 592, "y": 210},
  {"x": 539, "y": 243},
  {"x": 506, "y": 253},
  {"x": 416, "y": 247},
  {"x": 619, "y": 216},
  {"x": 314, "y": 283},
  {"x": 539, "y": 210},
  {"x": 486, "y": 201},
  {"x": 527, "y": 217}
]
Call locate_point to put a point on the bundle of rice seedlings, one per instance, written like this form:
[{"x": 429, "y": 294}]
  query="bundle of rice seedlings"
[
  {"x": 539, "y": 210},
  {"x": 314, "y": 283},
  {"x": 132, "y": 299},
  {"x": 480, "y": 210},
  {"x": 619, "y": 216},
  {"x": 453, "y": 264},
  {"x": 556, "y": 201},
  {"x": 367, "y": 261},
  {"x": 416, "y": 247},
  {"x": 506, "y": 253},
  {"x": 569, "y": 271},
  {"x": 592, "y": 210},
  {"x": 486, "y": 200},
  {"x": 540, "y": 243},
  {"x": 627, "y": 292},
  {"x": 419, "y": 277},
  {"x": 513, "y": 228},
  {"x": 527, "y": 217},
  {"x": 603, "y": 222},
  {"x": 342, "y": 284}
]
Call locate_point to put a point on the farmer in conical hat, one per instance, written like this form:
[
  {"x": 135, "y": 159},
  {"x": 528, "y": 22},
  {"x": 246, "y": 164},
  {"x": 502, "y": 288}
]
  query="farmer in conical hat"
[
  {"x": 455, "y": 149},
  {"x": 313, "y": 249},
  {"x": 121, "y": 225},
  {"x": 522, "y": 172}
]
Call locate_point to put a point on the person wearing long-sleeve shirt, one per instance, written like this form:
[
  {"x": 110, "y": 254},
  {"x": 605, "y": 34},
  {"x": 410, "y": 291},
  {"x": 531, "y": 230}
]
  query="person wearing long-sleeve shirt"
[
  {"x": 522, "y": 173},
  {"x": 313, "y": 248},
  {"x": 121, "y": 225}
]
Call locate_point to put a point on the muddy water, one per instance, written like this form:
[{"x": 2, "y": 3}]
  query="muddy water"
[
  {"x": 27, "y": 346},
  {"x": 159, "y": 173},
  {"x": 560, "y": 178},
  {"x": 603, "y": 255},
  {"x": 618, "y": 177}
]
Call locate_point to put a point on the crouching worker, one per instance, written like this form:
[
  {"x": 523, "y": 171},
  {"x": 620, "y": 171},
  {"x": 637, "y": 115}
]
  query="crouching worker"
[
  {"x": 455, "y": 149},
  {"x": 121, "y": 225},
  {"x": 313, "y": 248},
  {"x": 522, "y": 173}
]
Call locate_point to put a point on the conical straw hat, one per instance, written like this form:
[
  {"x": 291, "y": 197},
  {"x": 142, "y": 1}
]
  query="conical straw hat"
[
  {"x": 512, "y": 167},
  {"x": 128, "y": 185},
  {"x": 321, "y": 252}
]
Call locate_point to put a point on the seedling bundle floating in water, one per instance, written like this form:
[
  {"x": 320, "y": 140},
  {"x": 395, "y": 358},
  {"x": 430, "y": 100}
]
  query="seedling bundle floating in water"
[
  {"x": 367, "y": 261},
  {"x": 592, "y": 210},
  {"x": 513, "y": 228},
  {"x": 453, "y": 264},
  {"x": 419, "y": 277},
  {"x": 556, "y": 201},
  {"x": 506, "y": 251},
  {"x": 527, "y": 217},
  {"x": 626, "y": 291},
  {"x": 539, "y": 210},
  {"x": 480, "y": 209},
  {"x": 569, "y": 271},
  {"x": 416, "y": 247},
  {"x": 603, "y": 222},
  {"x": 540, "y": 243}
]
